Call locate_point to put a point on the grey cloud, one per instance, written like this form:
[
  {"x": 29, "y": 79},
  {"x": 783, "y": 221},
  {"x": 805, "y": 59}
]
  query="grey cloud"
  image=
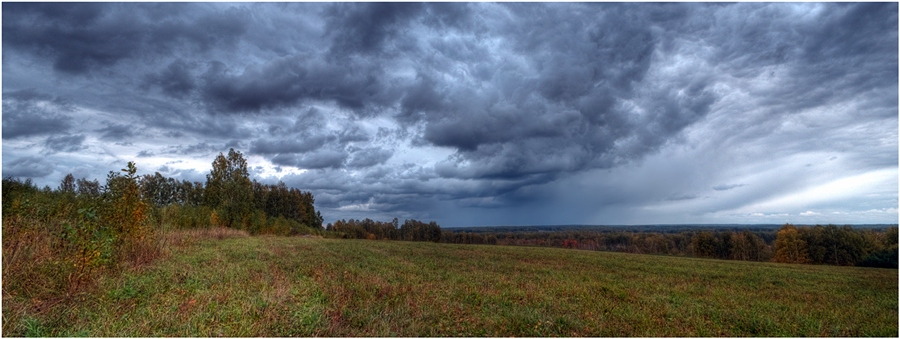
[
  {"x": 191, "y": 175},
  {"x": 727, "y": 187},
  {"x": 175, "y": 80},
  {"x": 322, "y": 159},
  {"x": 807, "y": 46},
  {"x": 219, "y": 128},
  {"x": 363, "y": 28},
  {"x": 66, "y": 143},
  {"x": 116, "y": 132},
  {"x": 681, "y": 197},
  {"x": 420, "y": 99},
  {"x": 853, "y": 34},
  {"x": 319, "y": 159},
  {"x": 28, "y": 167},
  {"x": 216, "y": 27},
  {"x": 668, "y": 112},
  {"x": 583, "y": 85},
  {"x": 515, "y": 161},
  {"x": 86, "y": 36},
  {"x": 294, "y": 145},
  {"x": 448, "y": 15},
  {"x": 522, "y": 95},
  {"x": 76, "y": 36},
  {"x": 311, "y": 147},
  {"x": 338, "y": 194},
  {"x": 468, "y": 129},
  {"x": 353, "y": 134},
  {"x": 311, "y": 118},
  {"x": 369, "y": 157},
  {"x": 234, "y": 143},
  {"x": 29, "y": 112},
  {"x": 199, "y": 148},
  {"x": 289, "y": 81},
  {"x": 851, "y": 30}
]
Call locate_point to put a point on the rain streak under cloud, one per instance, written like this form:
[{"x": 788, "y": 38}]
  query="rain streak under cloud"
[{"x": 474, "y": 113}]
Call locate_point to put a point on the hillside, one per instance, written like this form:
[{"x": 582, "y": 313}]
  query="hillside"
[{"x": 292, "y": 286}]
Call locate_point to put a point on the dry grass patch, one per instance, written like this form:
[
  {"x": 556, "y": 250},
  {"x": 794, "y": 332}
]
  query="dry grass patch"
[{"x": 184, "y": 238}]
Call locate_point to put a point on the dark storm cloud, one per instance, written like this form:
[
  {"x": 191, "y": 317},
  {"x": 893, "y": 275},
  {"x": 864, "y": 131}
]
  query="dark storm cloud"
[
  {"x": 307, "y": 146},
  {"x": 27, "y": 167},
  {"x": 64, "y": 143},
  {"x": 515, "y": 97},
  {"x": 290, "y": 81},
  {"x": 852, "y": 34},
  {"x": 368, "y": 157},
  {"x": 219, "y": 128},
  {"x": 353, "y": 134},
  {"x": 116, "y": 132},
  {"x": 363, "y": 28},
  {"x": 298, "y": 145},
  {"x": 837, "y": 55},
  {"x": 175, "y": 80},
  {"x": 319, "y": 159},
  {"x": 29, "y": 112},
  {"x": 189, "y": 150},
  {"x": 75, "y": 37},
  {"x": 574, "y": 106},
  {"x": 83, "y": 37}
]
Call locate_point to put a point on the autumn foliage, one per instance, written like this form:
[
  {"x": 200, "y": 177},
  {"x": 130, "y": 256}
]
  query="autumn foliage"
[
  {"x": 789, "y": 247},
  {"x": 55, "y": 242}
]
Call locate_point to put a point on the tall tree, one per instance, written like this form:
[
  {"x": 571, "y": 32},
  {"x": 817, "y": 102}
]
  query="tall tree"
[
  {"x": 229, "y": 190},
  {"x": 88, "y": 188},
  {"x": 705, "y": 244},
  {"x": 790, "y": 247},
  {"x": 68, "y": 184}
]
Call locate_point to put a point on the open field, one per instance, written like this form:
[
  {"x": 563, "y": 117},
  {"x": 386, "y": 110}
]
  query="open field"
[{"x": 291, "y": 286}]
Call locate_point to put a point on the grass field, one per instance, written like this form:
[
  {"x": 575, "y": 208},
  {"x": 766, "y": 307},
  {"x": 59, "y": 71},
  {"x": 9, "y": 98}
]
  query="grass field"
[{"x": 280, "y": 286}]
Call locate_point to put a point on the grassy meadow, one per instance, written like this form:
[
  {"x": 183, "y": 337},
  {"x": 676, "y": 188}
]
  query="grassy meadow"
[{"x": 212, "y": 284}]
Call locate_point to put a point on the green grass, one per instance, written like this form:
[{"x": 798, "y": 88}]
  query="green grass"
[{"x": 279, "y": 286}]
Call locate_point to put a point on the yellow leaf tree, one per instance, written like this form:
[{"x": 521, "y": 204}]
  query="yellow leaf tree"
[{"x": 790, "y": 247}]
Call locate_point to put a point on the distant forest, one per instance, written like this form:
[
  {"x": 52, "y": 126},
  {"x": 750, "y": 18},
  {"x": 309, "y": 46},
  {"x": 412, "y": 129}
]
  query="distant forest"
[{"x": 872, "y": 245}]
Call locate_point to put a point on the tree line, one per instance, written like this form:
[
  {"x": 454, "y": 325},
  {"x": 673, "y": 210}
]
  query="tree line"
[
  {"x": 831, "y": 245},
  {"x": 410, "y": 230},
  {"x": 228, "y": 198}
]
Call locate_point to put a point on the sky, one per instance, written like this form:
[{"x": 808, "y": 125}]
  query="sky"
[{"x": 474, "y": 114}]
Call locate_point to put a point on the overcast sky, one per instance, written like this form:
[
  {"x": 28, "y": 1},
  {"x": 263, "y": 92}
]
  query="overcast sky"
[{"x": 474, "y": 114}]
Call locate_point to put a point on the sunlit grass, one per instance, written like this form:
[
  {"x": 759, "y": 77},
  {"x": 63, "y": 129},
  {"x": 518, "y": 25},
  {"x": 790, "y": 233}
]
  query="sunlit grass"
[{"x": 278, "y": 286}]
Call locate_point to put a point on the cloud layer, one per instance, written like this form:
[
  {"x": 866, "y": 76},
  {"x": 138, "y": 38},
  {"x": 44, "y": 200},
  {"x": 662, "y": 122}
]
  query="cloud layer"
[{"x": 470, "y": 113}]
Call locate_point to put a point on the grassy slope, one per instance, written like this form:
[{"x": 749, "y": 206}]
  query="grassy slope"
[{"x": 275, "y": 286}]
